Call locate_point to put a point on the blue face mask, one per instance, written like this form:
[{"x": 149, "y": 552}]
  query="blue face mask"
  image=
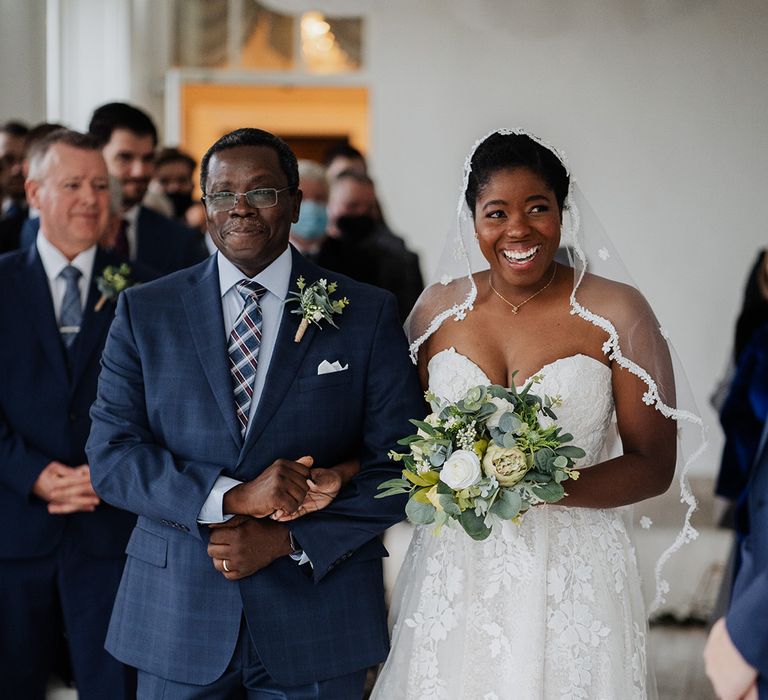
[{"x": 312, "y": 222}]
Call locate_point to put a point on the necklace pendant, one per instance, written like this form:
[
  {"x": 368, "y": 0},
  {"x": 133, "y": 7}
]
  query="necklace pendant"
[{"x": 514, "y": 308}]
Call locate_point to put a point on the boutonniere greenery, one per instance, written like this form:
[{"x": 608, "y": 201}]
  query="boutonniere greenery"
[
  {"x": 113, "y": 280},
  {"x": 315, "y": 304}
]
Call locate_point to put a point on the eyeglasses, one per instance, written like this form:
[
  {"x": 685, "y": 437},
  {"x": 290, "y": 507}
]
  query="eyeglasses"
[{"x": 263, "y": 198}]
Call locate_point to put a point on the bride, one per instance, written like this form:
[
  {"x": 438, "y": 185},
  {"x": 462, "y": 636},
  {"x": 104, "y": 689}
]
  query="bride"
[{"x": 552, "y": 607}]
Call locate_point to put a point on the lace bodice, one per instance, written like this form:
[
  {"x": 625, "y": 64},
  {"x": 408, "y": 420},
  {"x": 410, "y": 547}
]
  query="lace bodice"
[{"x": 583, "y": 383}]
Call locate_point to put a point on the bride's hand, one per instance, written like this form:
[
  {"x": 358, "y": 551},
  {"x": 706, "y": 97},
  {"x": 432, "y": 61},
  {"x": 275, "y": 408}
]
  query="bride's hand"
[{"x": 324, "y": 486}]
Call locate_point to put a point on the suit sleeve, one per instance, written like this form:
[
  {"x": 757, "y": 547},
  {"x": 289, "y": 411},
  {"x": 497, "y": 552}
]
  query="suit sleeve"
[
  {"x": 129, "y": 469},
  {"x": 393, "y": 396},
  {"x": 20, "y": 463}
]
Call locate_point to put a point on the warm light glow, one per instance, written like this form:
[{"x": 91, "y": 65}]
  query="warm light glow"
[{"x": 319, "y": 46}]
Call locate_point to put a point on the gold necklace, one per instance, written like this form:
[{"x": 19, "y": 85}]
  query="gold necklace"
[{"x": 516, "y": 307}]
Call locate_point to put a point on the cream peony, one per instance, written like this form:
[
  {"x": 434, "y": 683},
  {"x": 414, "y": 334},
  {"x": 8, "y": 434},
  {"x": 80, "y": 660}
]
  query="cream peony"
[
  {"x": 461, "y": 470},
  {"x": 502, "y": 406},
  {"x": 507, "y": 464}
]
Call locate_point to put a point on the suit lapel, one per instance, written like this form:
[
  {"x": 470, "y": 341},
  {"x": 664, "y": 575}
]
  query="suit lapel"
[
  {"x": 36, "y": 295},
  {"x": 95, "y": 323},
  {"x": 286, "y": 360},
  {"x": 202, "y": 304}
]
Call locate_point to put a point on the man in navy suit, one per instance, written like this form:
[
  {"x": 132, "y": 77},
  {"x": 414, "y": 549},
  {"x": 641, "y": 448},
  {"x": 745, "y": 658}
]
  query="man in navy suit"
[
  {"x": 129, "y": 138},
  {"x": 283, "y": 610},
  {"x": 737, "y": 650},
  {"x": 62, "y": 550}
]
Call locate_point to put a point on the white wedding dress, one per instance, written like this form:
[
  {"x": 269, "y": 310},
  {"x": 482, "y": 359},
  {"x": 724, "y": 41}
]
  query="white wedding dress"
[{"x": 550, "y": 609}]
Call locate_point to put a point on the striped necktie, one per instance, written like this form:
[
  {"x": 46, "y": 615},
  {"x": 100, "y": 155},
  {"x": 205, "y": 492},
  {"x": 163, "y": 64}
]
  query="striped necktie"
[
  {"x": 71, "y": 315},
  {"x": 244, "y": 343}
]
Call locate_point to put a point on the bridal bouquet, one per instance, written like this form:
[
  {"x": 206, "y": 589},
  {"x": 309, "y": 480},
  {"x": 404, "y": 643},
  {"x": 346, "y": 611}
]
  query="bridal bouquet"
[{"x": 486, "y": 457}]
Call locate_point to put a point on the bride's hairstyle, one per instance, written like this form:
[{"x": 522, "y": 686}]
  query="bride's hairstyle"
[
  {"x": 603, "y": 295},
  {"x": 507, "y": 151}
]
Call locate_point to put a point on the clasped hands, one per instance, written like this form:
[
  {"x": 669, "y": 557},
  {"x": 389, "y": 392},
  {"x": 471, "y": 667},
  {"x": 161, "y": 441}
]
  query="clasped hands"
[
  {"x": 66, "y": 489},
  {"x": 255, "y": 536}
]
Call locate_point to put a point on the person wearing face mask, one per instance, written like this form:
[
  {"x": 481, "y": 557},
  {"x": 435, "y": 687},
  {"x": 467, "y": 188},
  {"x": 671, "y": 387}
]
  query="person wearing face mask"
[
  {"x": 308, "y": 232},
  {"x": 360, "y": 245},
  {"x": 174, "y": 170}
]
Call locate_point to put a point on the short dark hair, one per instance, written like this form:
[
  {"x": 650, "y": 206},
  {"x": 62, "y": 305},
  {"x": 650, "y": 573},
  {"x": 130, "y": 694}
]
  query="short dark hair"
[
  {"x": 67, "y": 137},
  {"x": 355, "y": 176},
  {"x": 503, "y": 151},
  {"x": 14, "y": 128},
  {"x": 174, "y": 155},
  {"x": 40, "y": 131},
  {"x": 120, "y": 115},
  {"x": 254, "y": 137},
  {"x": 343, "y": 150}
]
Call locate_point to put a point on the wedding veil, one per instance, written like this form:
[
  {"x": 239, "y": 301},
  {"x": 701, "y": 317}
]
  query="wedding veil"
[{"x": 634, "y": 339}]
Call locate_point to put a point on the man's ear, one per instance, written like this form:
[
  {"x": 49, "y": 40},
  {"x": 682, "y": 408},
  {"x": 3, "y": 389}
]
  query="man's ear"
[
  {"x": 32, "y": 189},
  {"x": 296, "y": 206}
]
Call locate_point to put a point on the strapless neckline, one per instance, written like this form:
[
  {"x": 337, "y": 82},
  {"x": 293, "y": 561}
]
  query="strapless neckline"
[{"x": 576, "y": 356}]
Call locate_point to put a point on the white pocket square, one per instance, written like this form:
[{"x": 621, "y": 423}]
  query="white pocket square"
[{"x": 326, "y": 367}]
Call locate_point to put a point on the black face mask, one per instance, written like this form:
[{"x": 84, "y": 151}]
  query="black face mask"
[
  {"x": 181, "y": 202},
  {"x": 355, "y": 228}
]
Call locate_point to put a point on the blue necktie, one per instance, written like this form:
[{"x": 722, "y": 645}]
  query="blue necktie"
[
  {"x": 71, "y": 315},
  {"x": 244, "y": 343}
]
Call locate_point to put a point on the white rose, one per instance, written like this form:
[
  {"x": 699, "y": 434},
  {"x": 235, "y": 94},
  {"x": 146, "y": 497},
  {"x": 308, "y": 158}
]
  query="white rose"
[
  {"x": 461, "y": 470},
  {"x": 502, "y": 406}
]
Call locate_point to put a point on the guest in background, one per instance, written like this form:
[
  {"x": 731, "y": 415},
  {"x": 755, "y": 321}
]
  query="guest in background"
[
  {"x": 12, "y": 149},
  {"x": 173, "y": 177},
  {"x": 360, "y": 247},
  {"x": 344, "y": 158},
  {"x": 308, "y": 232},
  {"x": 128, "y": 138},
  {"x": 736, "y": 654},
  {"x": 62, "y": 550}
]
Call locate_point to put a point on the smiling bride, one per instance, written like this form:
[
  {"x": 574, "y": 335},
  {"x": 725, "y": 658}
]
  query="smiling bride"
[{"x": 552, "y": 607}]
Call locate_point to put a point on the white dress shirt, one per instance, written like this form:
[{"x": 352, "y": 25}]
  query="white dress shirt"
[
  {"x": 54, "y": 261},
  {"x": 275, "y": 278}
]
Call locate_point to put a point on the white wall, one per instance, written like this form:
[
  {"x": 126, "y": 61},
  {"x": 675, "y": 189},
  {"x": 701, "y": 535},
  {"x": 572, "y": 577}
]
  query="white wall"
[
  {"x": 22, "y": 60},
  {"x": 660, "y": 106}
]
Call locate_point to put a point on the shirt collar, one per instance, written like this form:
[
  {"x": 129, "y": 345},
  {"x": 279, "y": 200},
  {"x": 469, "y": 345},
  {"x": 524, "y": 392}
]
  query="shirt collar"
[
  {"x": 54, "y": 261},
  {"x": 131, "y": 215},
  {"x": 274, "y": 278}
]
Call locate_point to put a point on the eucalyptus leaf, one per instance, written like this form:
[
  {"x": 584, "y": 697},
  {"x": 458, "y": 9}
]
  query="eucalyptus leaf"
[
  {"x": 507, "y": 505},
  {"x": 437, "y": 458},
  {"x": 474, "y": 526},
  {"x": 570, "y": 451},
  {"x": 560, "y": 461},
  {"x": 391, "y": 492},
  {"x": 551, "y": 493},
  {"x": 420, "y": 513},
  {"x": 509, "y": 440},
  {"x": 449, "y": 505}
]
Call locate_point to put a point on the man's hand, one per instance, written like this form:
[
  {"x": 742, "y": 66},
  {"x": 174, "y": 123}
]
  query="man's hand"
[
  {"x": 324, "y": 486},
  {"x": 246, "y": 545},
  {"x": 66, "y": 489},
  {"x": 731, "y": 676},
  {"x": 282, "y": 486}
]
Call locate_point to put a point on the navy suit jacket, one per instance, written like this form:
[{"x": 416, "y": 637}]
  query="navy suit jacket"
[
  {"x": 44, "y": 411},
  {"x": 163, "y": 245},
  {"x": 164, "y": 429},
  {"x": 747, "y": 617}
]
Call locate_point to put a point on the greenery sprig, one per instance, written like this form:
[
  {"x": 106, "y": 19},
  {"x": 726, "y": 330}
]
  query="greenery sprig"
[
  {"x": 111, "y": 282},
  {"x": 315, "y": 304}
]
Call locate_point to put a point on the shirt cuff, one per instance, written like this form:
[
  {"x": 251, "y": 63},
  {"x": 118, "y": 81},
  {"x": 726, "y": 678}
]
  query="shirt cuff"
[
  {"x": 213, "y": 508},
  {"x": 298, "y": 555}
]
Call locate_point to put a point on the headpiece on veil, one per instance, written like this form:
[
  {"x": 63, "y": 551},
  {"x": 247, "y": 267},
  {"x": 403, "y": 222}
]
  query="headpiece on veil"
[{"x": 634, "y": 339}]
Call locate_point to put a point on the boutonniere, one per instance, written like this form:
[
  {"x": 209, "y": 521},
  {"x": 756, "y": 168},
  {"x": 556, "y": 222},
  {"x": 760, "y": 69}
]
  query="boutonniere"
[
  {"x": 315, "y": 304},
  {"x": 113, "y": 281}
]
